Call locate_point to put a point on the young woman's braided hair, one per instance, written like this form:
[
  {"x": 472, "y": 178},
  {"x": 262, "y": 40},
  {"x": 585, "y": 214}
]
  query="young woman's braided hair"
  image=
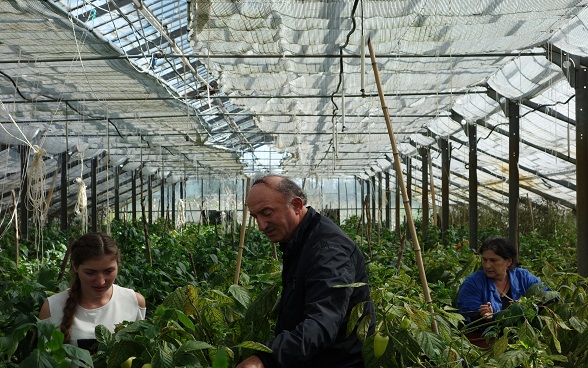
[{"x": 89, "y": 246}]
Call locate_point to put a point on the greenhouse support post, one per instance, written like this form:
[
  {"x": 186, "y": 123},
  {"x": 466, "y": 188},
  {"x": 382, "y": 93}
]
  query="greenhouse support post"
[
  {"x": 24, "y": 212},
  {"x": 242, "y": 234},
  {"x": 117, "y": 193},
  {"x": 145, "y": 230},
  {"x": 445, "y": 147},
  {"x": 388, "y": 200},
  {"x": 94, "y": 195},
  {"x": 472, "y": 130},
  {"x": 581, "y": 87},
  {"x": 433, "y": 202},
  {"x": 424, "y": 152},
  {"x": 513, "y": 171},
  {"x": 173, "y": 203},
  {"x": 134, "y": 194},
  {"x": 398, "y": 167},
  {"x": 63, "y": 188},
  {"x": 15, "y": 219}
]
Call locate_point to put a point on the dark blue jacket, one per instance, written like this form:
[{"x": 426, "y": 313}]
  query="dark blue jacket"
[{"x": 313, "y": 315}]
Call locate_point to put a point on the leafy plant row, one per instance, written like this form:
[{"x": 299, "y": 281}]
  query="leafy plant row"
[{"x": 197, "y": 317}]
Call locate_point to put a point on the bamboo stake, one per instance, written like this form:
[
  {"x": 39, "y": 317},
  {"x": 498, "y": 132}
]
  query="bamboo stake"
[
  {"x": 242, "y": 234},
  {"x": 407, "y": 209}
]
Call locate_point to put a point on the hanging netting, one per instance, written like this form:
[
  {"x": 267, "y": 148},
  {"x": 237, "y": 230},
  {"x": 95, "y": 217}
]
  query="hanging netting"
[
  {"x": 81, "y": 207},
  {"x": 36, "y": 195},
  {"x": 181, "y": 218}
]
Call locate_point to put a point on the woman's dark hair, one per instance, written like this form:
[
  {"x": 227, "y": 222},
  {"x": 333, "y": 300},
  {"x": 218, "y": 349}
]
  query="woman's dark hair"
[
  {"x": 286, "y": 186},
  {"x": 502, "y": 247},
  {"x": 89, "y": 246}
]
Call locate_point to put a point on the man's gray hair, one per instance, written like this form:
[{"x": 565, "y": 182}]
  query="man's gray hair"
[{"x": 286, "y": 186}]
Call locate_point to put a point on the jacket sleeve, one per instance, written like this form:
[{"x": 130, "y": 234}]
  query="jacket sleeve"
[
  {"x": 524, "y": 280},
  {"x": 470, "y": 297},
  {"x": 325, "y": 309}
]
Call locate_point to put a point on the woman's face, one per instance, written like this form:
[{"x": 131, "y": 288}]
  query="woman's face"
[
  {"x": 494, "y": 265},
  {"x": 97, "y": 276}
]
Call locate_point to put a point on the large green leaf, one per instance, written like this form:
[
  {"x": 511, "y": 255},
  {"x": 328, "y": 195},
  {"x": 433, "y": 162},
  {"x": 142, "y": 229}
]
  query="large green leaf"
[
  {"x": 38, "y": 359},
  {"x": 500, "y": 346},
  {"x": 355, "y": 315},
  {"x": 103, "y": 335},
  {"x": 191, "y": 346},
  {"x": 513, "y": 359},
  {"x": 163, "y": 359},
  {"x": 551, "y": 327},
  {"x": 254, "y": 346},
  {"x": 122, "y": 351},
  {"x": 431, "y": 344},
  {"x": 240, "y": 294},
  {"x": 78, "y": 355},
  {"x": 407, "y": 346}
]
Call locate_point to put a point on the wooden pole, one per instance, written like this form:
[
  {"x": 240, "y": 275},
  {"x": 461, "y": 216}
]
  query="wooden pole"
[
  {"x": 242, "y": 234},
  {"x": 407, "y": 209}
]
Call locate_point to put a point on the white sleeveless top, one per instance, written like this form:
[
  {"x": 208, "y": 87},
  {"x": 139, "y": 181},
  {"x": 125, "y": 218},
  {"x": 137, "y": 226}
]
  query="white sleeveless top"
[{"x": 122, "y": 306}]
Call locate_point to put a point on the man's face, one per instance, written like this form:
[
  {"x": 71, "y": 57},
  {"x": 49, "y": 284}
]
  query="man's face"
[{"x": 275, "y": 216}]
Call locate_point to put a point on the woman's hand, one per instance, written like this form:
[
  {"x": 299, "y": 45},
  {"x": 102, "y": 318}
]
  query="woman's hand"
[{"x": 486, "y": 310}]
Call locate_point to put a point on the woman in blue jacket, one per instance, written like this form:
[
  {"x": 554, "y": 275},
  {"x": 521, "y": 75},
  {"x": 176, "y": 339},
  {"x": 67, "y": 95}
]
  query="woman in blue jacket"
[{"x": 498, "y": 284}]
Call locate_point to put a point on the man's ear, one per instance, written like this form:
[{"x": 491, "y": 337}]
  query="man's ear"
[{"x": 297, "y": 203}]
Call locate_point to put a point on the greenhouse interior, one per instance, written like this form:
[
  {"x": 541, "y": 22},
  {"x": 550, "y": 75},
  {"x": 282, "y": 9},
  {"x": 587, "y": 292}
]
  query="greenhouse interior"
[{"x": 450, "y": 114}]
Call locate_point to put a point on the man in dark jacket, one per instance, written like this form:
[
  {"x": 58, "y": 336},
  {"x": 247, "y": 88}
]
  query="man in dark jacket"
[{"x": 311, "y": 329}]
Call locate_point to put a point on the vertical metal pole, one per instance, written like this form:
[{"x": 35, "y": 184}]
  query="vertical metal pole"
[
  {"x": 445, "y": 147},
  {"x": 513, "y": 175},
  {"x": 134, "y": 195},
  {"x": 173, "y": 204},
  {"x": 408, "y": 191},
  {"x": 368, "y": 193},
  {"x": 397, "y": 206},
  {"x": 373, "y": 198},
  {"x": 582, "y": 169},
  {"x": 380, "y": 199},
  {"x": 361, "y": 191},
  {"x": 472, "y": 130},
  {"x": 64, "y": 188},
  {"x": 162, "y": 194},
  {"x": 424, "y": 152},
  {"x": 117, "y": 192},
  {"x": 24, "y": 179},
  {"x": 388, "y": 200},
  {"x": 150, "y": 198},
  {"x": 339, "y": 209},
  {"x": 94, "y": 194}
]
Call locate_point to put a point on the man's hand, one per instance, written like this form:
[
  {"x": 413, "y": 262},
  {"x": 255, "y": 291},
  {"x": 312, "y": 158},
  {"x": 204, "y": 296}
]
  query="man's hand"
[{"x": 251, "y": 362}]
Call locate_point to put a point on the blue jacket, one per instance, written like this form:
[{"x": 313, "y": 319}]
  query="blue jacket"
[
  {"x": 478, "y": 289},
  {"x": 313, "y": 314}
]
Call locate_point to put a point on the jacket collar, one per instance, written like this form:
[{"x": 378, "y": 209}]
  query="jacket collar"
[{"x": 300, "y": 234}]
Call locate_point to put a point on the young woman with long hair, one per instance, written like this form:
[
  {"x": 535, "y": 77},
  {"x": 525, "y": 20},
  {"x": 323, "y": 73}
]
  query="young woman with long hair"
[{"x": 93, "y": 298}]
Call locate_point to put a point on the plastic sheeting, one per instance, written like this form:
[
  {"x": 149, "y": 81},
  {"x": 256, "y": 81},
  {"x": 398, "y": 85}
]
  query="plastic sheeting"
[{"x": 190, "y": 90}]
